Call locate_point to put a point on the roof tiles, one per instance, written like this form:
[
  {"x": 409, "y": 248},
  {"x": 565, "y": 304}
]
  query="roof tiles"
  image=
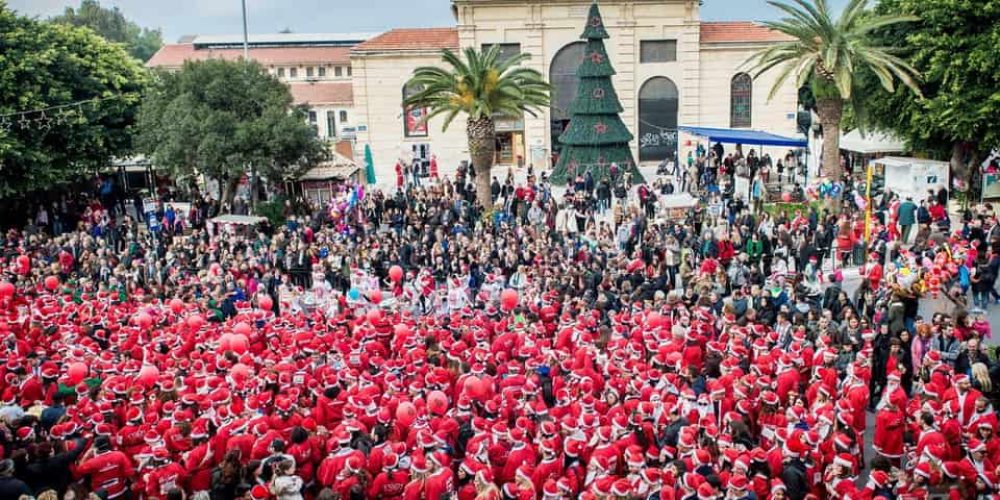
[
  {"x": 739, "y": 32},
  {"x": 411, "y": 39}
]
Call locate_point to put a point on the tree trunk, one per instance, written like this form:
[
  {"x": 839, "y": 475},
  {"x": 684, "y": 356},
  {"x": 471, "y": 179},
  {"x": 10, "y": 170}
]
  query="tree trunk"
[
  {"x": 482, "y": 149},
  {"x": 229, "y": 186},
  {"x": 830, "y": 111},
  {"x": 964, "y": 161}
]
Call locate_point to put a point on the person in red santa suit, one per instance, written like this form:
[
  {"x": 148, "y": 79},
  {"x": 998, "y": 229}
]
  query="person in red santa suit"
[
  {"x": 417, "y": 487},
  {"x": 890, "y": 425},
  {"x": 391, "y": 482},
  {"x": 551, "y": 465},
  {"x": 520, "y": 453},
  {"x": 352, "y": 478},
  {"x": 984, "y": 416},
  {"x": 199, "y": 461},
  {"x": 108, "y": 469},
  {"x": 331, "y": 466},
  {"x": 962, "y": 399},
  {"x": 165, "y": 475},
  {"x": 441, "y": 481}
]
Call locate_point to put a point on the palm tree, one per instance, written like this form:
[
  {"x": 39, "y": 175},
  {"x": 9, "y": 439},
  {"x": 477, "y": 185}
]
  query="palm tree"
[
  {"x": 484, "y": 87},
  {"x": 827, "y": 54}
]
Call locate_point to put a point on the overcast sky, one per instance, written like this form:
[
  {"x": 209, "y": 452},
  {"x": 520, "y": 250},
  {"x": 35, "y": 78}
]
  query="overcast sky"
[{"x": 222, "y": 17}]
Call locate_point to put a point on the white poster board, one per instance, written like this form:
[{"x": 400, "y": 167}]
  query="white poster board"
[{"x": 914, "y": 177}]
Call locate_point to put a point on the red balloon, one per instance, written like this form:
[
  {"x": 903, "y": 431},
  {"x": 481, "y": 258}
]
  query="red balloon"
[
  {"x": 195, "y": 321},
  {"x": 226, "y": 342},
  {"x": 374, "y": 315},
  {"x": 52, "y": 282},
  {"x": 242, "y": 328},
  {"x": 437, "y": 402},
  {"x": 265, "y": 303},
  {"x": 239, "y": 343},
  {"x": 143, "y": 319},
  {"x": 375, "y": 296},
  {"x": 406, "y": 413},
  {"x": 148, "y": 374},
  {"x": 396, "y": 273},
  {"x": 77, "y": 372},
  {"x": 6, "y": 289},
  {"x": 240, "y": 371},
  {"x": 176, "y": 305},
  {"x": 509, "y": 299},
  {"x": 475, "y": 386}
]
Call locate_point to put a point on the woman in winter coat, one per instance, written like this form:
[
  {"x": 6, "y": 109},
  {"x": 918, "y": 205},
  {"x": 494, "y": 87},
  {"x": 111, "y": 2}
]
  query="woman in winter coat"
[{"x": 286, "y": 485}]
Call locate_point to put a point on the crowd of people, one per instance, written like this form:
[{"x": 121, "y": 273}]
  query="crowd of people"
[{"x": 412, "y": 345}]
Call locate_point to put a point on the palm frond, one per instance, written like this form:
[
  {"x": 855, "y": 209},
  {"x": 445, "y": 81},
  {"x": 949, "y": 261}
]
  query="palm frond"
[{"x": 832, "y": 49}]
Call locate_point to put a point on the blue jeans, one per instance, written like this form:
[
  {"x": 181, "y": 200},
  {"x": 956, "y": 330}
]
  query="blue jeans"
[{"x": 981, "y": 299}]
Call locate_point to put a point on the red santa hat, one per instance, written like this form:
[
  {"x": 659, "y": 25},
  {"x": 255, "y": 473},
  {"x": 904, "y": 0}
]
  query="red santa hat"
[
  {"x": 844, "y": 460},
  {"x": 976, "y": 445}
]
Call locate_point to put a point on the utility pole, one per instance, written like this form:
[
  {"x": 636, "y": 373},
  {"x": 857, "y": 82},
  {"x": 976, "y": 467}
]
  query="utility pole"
[{"x": 246, "y": 37}]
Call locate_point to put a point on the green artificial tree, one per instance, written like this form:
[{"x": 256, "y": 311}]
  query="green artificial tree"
[{"x": 596, "y": 137}]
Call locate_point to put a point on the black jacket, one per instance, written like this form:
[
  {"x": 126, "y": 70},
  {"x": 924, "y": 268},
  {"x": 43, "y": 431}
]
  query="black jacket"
[
  {"x": 11, "y": 487},
  {"x": 53, "y": 472},
  {"x": 794, "y": 476}
]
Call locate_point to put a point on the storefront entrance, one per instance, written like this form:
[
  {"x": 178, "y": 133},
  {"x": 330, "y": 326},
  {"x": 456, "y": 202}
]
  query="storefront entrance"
[{"x": 510, "y": 142}]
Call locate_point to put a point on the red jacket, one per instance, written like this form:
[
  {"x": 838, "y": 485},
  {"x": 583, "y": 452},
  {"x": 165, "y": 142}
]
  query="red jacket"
[
  {"x": 889, "y": 428},
  {"x": 161, "y": 480},
  {"x": 440, "y": 484},
  {"x": 198, "y": 463},
  {"x": 389, "y": 485},
  {"x": 108, "y": 470}
]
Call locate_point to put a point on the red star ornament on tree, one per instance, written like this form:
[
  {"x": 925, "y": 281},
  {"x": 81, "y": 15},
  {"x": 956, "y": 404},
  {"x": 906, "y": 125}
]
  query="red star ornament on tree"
[
  {"x": 596, "y": 21},
  {"x": 596, "y": 57},
  {"x": 600, "y": 128}
]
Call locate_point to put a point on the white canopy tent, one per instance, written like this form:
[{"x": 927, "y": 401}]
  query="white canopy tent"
[{"x": 871, "y": 143}]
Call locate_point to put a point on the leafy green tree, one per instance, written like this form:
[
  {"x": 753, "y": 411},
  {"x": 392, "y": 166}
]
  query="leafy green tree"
[
  {"x": 142, "y": 43},
  {"x": 484, "y": 86},
  {"x": 218, "y": 118},
  {"x": 955, "y": 47},
  {"x": 67, "y": 101},
  {"x": 829, "y": 53},
  {"x": 596, "y": 136}
]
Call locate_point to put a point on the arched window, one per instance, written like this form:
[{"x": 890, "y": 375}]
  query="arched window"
[
  {"x": 658, "y": 105},
  {"x": 414, "y": 118},
  {"x": 562, "y": 76},
  {"x": 740, "y": 101}
]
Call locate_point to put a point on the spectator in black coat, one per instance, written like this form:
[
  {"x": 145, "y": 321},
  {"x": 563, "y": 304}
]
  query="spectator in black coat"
[
  {"x": 10, "y": 486},
  {"x": 50, "y": 470},
  {"x": 793, "y": 474}
]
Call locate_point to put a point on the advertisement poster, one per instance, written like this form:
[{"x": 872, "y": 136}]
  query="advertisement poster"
[
  {"x": 991, "y": 186},
  {"x": 416, "y": 124}
]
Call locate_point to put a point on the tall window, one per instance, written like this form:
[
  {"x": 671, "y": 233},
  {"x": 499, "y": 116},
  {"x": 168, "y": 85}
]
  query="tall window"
[
  {"x": 312, "y": 121},
  {"x": 281, "y": 72},
  {"x": 414, "y": 118},
  {"x": 348, "y": 71},
  {"x": 331, "y": 124},
  {"x": 322, "y": 71},
  {"x": 293, "y": 72},
  {"x": 657, "y": 51},
  {"x": 309, "y": 72},
  {"x": 338, "y": 71},
  {"x": 507, "y": 50},
  {"x": 740, "y": 101},
  {"x": 343, "y": 117}
]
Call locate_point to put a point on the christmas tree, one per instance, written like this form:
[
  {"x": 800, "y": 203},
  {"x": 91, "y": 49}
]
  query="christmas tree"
[{"x": 596, "y": 137}]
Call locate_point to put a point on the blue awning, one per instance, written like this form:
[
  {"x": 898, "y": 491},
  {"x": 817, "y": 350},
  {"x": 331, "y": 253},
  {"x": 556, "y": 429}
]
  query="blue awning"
[{"x": 743, "y": 136}]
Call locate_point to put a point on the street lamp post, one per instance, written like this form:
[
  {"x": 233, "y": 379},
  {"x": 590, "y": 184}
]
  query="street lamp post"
[{"x": 246, "y": 37}]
